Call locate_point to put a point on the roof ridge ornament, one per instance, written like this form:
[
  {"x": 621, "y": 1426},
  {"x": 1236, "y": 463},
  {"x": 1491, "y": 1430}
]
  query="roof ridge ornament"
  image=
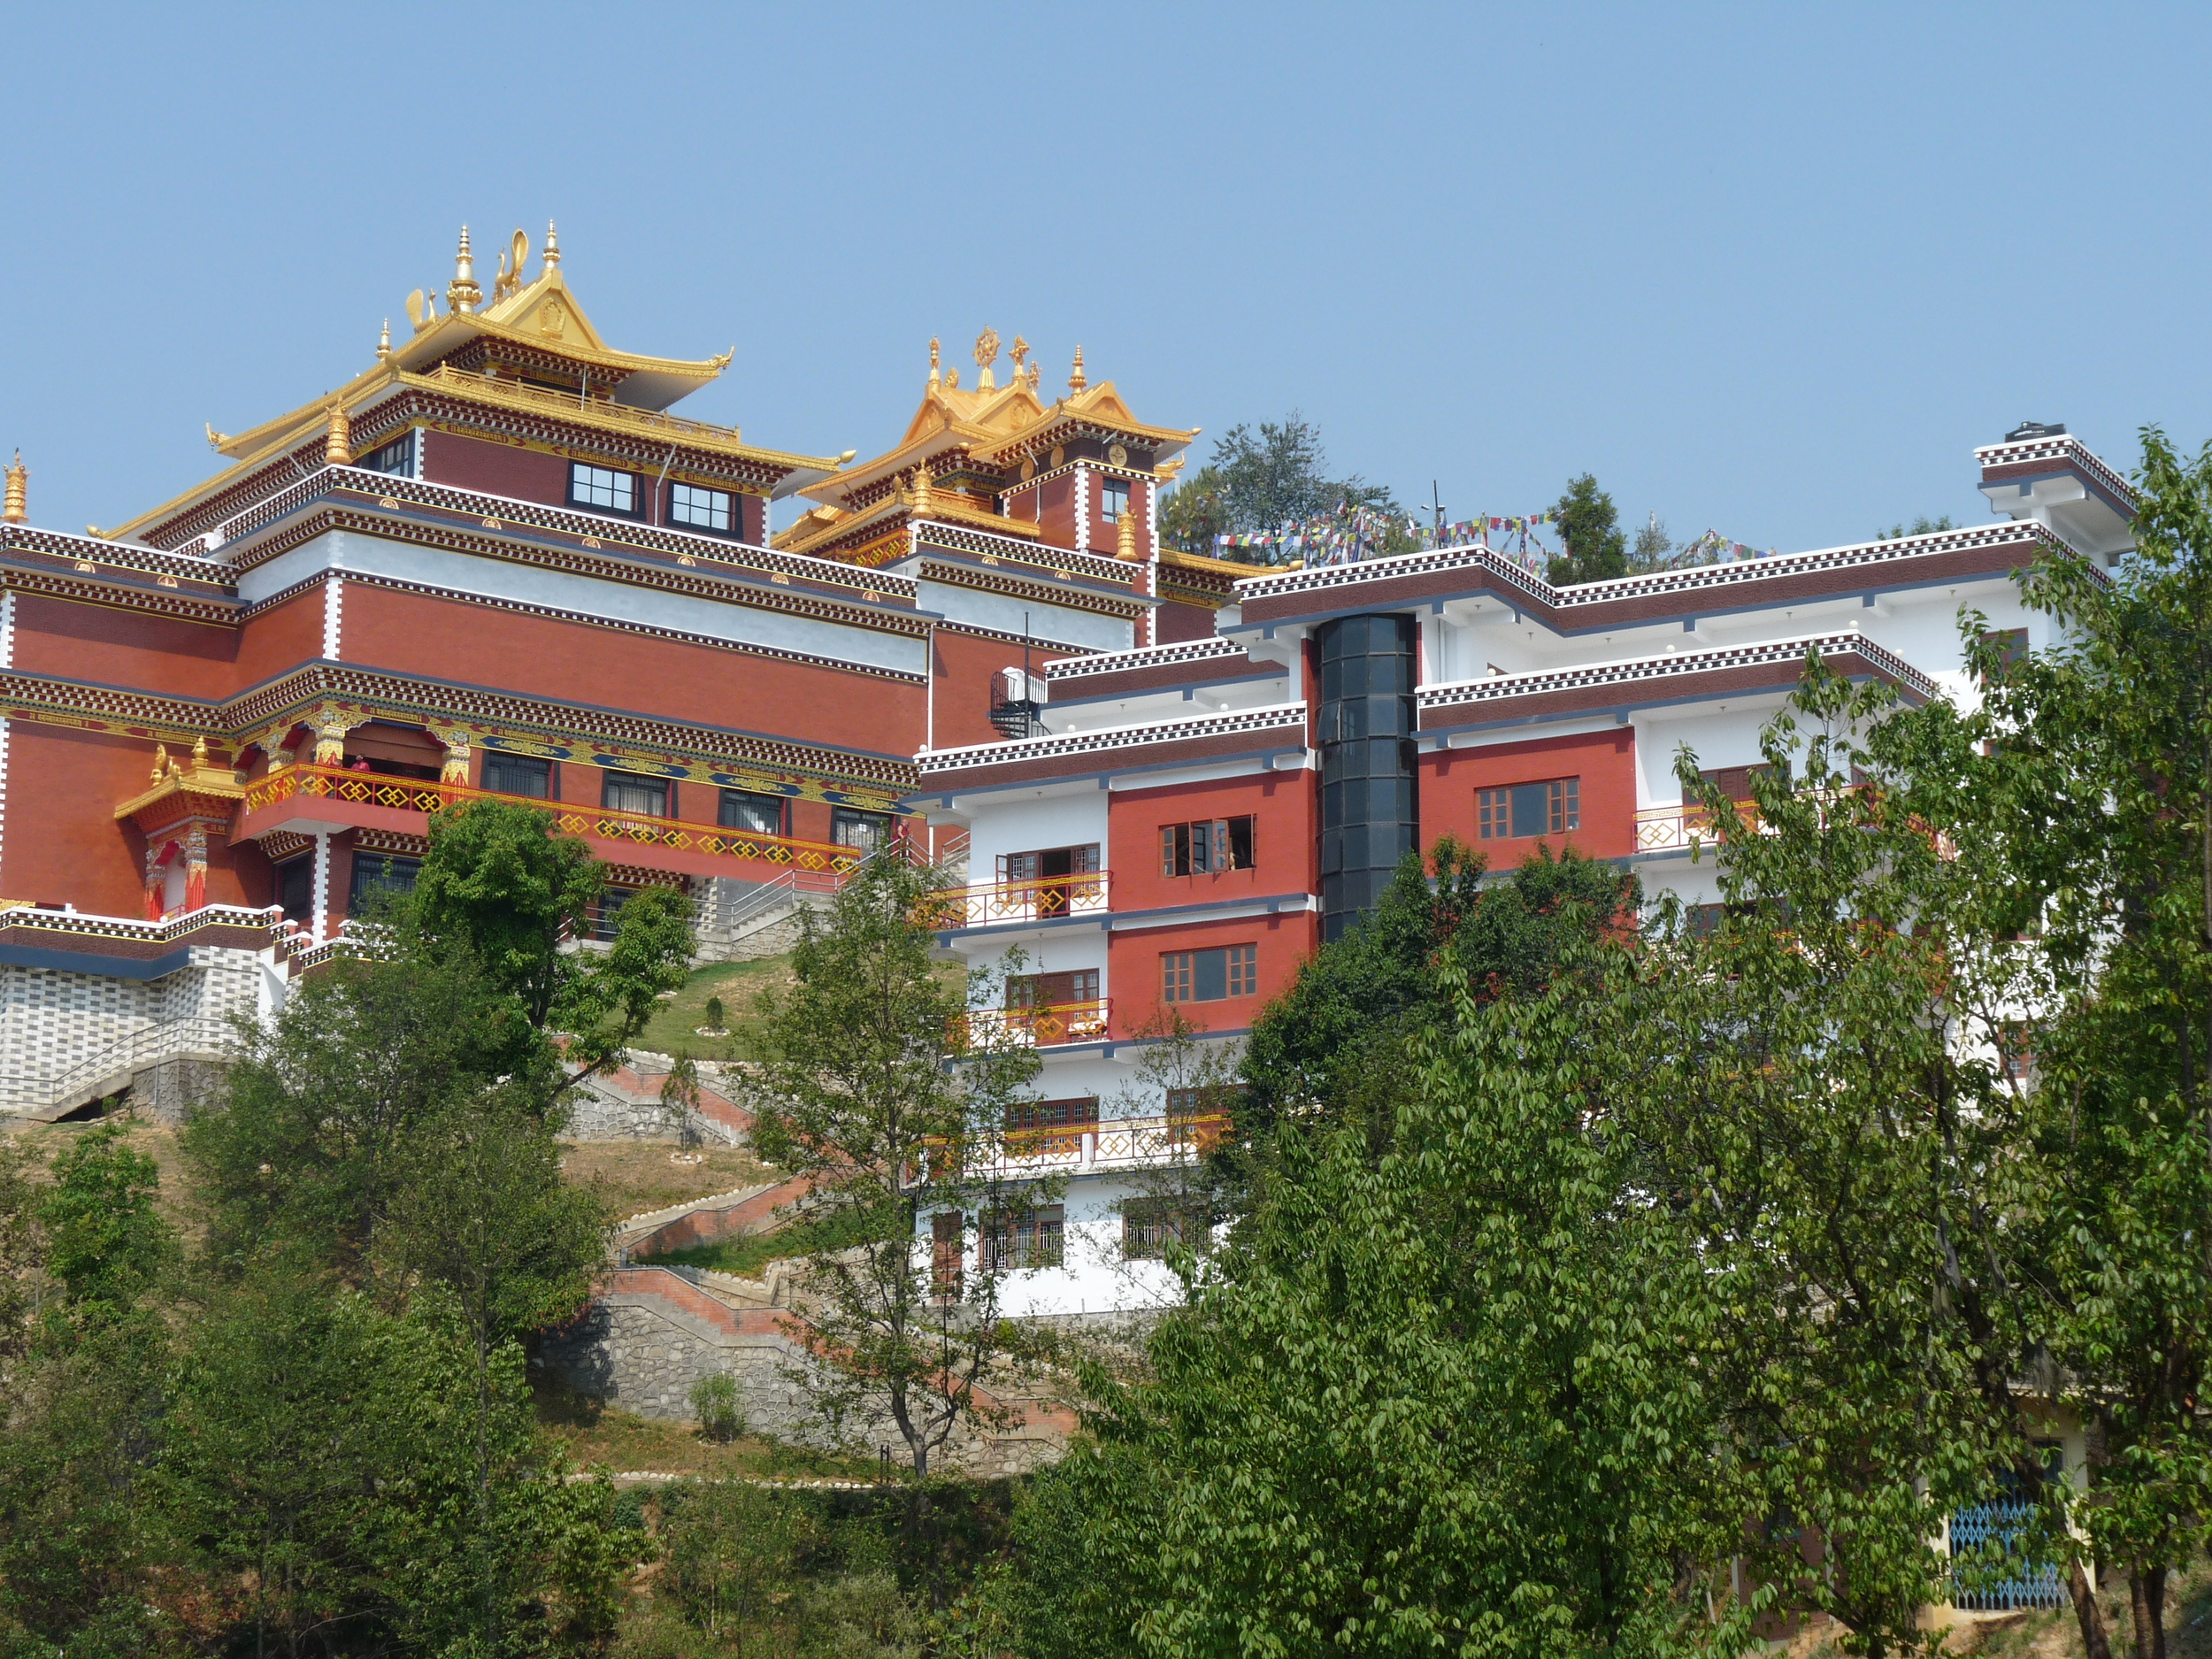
[
  {"x": 509, "y": 281},
  {"x": 1076, "y": 382},
  {"x": 384, "y": 342},
  {"x": 551, "y": 259},
  {"x": 985, "y": 355},
  {"x": 462, "y": 294},
  {"x": 934, "y": 378},
  {"x": 1020, "y": 354},
  {"x": 338, "y": 448},
  {"x": 17, "y": 510}
]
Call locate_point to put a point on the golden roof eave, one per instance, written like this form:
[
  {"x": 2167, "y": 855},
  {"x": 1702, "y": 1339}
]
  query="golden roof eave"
[{"x": 896, "y": 508}]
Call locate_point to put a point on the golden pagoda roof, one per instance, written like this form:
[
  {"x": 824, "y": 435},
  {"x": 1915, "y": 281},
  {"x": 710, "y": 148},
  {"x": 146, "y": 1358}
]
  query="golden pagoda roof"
[
  {"x": 997, "y": 425},
  {"x": 542, "y": 316}
]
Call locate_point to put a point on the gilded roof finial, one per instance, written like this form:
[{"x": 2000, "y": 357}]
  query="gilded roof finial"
[
  {"x": 552, "y": 248},
  {"x": 19, "y": 490},
  {"x": 161, "y": 763},
  {"x": 921, "y": 485},
  {"x": 384, "y": 342},
  {"x": 1076, "y": 382},
  {"x": 1020, "y": 354},
  {"x": 1125, "y": 531},
  {"x": 510, "y": 278},
  {"x": 934, "y": 378},
  {"x": 986, "y": 354},
  {"x": 199, "y": 752},
  {"x": 1036, "y": 373},
  {"x": 462, "y": 294},
  {"x": 338, "y": 448}
]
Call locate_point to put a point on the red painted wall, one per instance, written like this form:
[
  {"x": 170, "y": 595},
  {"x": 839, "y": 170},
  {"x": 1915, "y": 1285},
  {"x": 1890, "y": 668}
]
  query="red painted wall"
[
  {"x": 1285, "y": 840},
  {"x": 61, "y": 843},
  {"x": 1604, "y": 761},
  {"x": 496, "y": 468},
  {"x": 1178, "y": 622},
  {"x": 1056, "y": 520},
  {"x": 443, "y": 639},
  {"x": 112, "y": 647},
  {"x": 1133, "y": 972},
  {"x": 963, "y": 665},
  {"x": 280, "y": 639}
]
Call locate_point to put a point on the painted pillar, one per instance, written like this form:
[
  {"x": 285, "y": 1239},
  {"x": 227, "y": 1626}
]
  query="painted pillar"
[
  {"x": 195, "y": 869},
  {"x": 319, "y": 926},
  {"x": 156, "y": 881}
]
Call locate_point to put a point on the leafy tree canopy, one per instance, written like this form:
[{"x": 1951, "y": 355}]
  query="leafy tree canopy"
[
  {"x": 1261, "y": 481},
  {"x": 1596, "y": 547}
]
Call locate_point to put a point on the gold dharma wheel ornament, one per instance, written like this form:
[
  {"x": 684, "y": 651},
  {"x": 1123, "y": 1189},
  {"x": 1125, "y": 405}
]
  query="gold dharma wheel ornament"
[{"x": 1118, "y": 455}]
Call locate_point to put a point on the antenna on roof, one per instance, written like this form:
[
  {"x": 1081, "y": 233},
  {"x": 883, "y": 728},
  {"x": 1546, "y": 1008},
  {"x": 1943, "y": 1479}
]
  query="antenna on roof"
[{"x": 1436, "y": 505}]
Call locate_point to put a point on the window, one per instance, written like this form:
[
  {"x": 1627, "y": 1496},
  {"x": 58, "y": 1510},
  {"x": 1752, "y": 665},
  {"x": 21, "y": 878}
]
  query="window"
[
  {"x": 1551, "y": 808},
  {"x": 1051, "y": 990},
  {"x": 1113, "y": 498},
  {"x": 1148, "y": 1225},
  {"x": 1705, "y": 920},
  {"x": 763, "y": 814},
  {"x": 948, "y": 1238},
  {"x": 868, "y": 831},
  {"x": 1049, "y": 864},
  {"x": 606, "y": 919},
  {"x": 1732, "y": 781},
  {"x": 1053, "y": 1123},
  {"x": 375, "y": 875},
  {"x": 633, "y": 792},
  {"x": 296, "y": 889},
  {"x": 396, "y": 457},
  {"x": 713, "y": 511},
  {"x": 2016, "y": 1050},
  {"x": 2011, "y": 643},
  {"x": 518, "y": 775},
  {"x": 1209, "y": 845},
  {"x": 1210, "y": 976},
  {"x": 1024, "y": 1238},
  {"x": 602, "y": 488}
]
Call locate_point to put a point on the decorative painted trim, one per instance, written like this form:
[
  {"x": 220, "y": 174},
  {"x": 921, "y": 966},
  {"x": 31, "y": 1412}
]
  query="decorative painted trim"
[
  {"x": 1082, "y": 509},
  {"x": 995, "y": 549},
  {"x": 319, "y": 927},
  {"x": 1636, "y": 670},
  {"x": 2068, "y": 449},
  {"x": 333, "y": 608},
  {"x": 1071, "y": 597},
  {"x": 1143, "y": 656},
  {"x": 1143, "y": 735}
]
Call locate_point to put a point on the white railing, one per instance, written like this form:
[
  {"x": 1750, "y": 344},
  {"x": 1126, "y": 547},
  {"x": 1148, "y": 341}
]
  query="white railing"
[
  {"x": 1171, "y": 655},
  {"x": 1285, "y": 719},
  {"x": 135, "y": 928},
  {"x": 1119, "y": 1143}
]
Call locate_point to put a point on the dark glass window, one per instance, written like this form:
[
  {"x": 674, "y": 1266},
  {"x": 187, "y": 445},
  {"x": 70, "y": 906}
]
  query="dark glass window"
[
  {"x": 948, "y": 1248},
  {"x": 396, "y": 457},
  {"x": 1368, "y": 794},
  {"x": 1078, "y": 1114},
  {"x": 634, "y": 792},
  {"x": 1113, "y": 498},
  {"x": 375, "y": 873},
  {"x": 1024, "y": 1238},
  {"x": 518, "y": 775},
  {"x": 601, "y": 488},
  {"x": 870, "y": 832},
  {"x": 1148, "y": 1225},
  {"x": 712, "y": 511},
  {"x": 1049, "y": 864},
  {"x": 296, "y": 889},
  {"x": 1210, "y": 976},
  {"x": 607, "y": 915},
  {"x": 1052, "y": 990},
  {"x": 763, "y": 814}
]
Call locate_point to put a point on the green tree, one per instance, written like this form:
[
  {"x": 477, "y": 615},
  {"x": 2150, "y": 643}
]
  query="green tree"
[
  {"x": 1654, "y": 548},
  {"x": 731, "y": 1550},
  {"x": 105, "y": 1240},
  {"x": 877, "y": 1082},
  {"x": 1920, "y": 525},
  {"x": 1596, "y": 547},
  {"x": 1195, "y": 511},
  {"x": 1263, "y": 480}
]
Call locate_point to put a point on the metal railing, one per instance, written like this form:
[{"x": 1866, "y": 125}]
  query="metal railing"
[
  {"x": 445, "y": 376},
  {"x": 1999, "y": 1523},
  {"x": 194, "y": 1036},
  {"x": 1045, "y": 899},
  {"x": 1038, "y": 1027},
  {"x": 1121, "y": 1144},
  {"x": 606, "y": 823}
]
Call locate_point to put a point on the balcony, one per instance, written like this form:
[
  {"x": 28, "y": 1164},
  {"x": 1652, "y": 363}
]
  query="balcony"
[
  {"x": 1120, "y": 1143},
  {"x": 306, "y": 798},
  {"x": 1666, "y": 829},
  {"x": 1037, "y": 1027},
  {"x": 1048, "y": 898}
]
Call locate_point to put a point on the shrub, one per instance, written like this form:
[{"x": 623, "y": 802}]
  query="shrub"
[
  {"x": 714, "y": 1013},
  {"x": 714, "y": 1402}
]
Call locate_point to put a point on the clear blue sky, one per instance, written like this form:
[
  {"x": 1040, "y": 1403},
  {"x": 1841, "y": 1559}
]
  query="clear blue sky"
[{"x": 1772, "y": 269}]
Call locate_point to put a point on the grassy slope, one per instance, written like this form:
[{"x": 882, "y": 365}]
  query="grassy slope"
[{"x": 674, "y": 1029}]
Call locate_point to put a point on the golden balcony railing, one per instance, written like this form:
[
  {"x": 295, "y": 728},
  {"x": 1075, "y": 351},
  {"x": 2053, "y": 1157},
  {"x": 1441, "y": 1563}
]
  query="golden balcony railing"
[
  {"x": 1045, "y": 899},
  {"x": 1661, "y": 829},
  {"x": 1037, "y": 1027},
  {"x": 606, "y": 823}
]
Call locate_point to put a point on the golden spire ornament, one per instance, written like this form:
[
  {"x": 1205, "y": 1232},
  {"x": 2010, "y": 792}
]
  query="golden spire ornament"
[
  {"x": 986, "y": 354},
  {"x": 17, "y": 510},
  {"x": 1125, "y": 531},
  {"x": 462, "y": 294},
  {"x": 921, "y": 485},
  {"x": 338, "y": 448},
  {"x": 552, "y": 260},
  {"x": 1076, "y": 382},
  {"x": 934, "y": 378},
  {"x": 384, "y": 342}
]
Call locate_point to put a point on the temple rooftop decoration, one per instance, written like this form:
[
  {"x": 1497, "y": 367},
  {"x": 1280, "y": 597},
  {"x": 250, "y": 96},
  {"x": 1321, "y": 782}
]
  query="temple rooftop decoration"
[
  {"x": 531, "y": 349},
  {"x": 965, "y": 449}
]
